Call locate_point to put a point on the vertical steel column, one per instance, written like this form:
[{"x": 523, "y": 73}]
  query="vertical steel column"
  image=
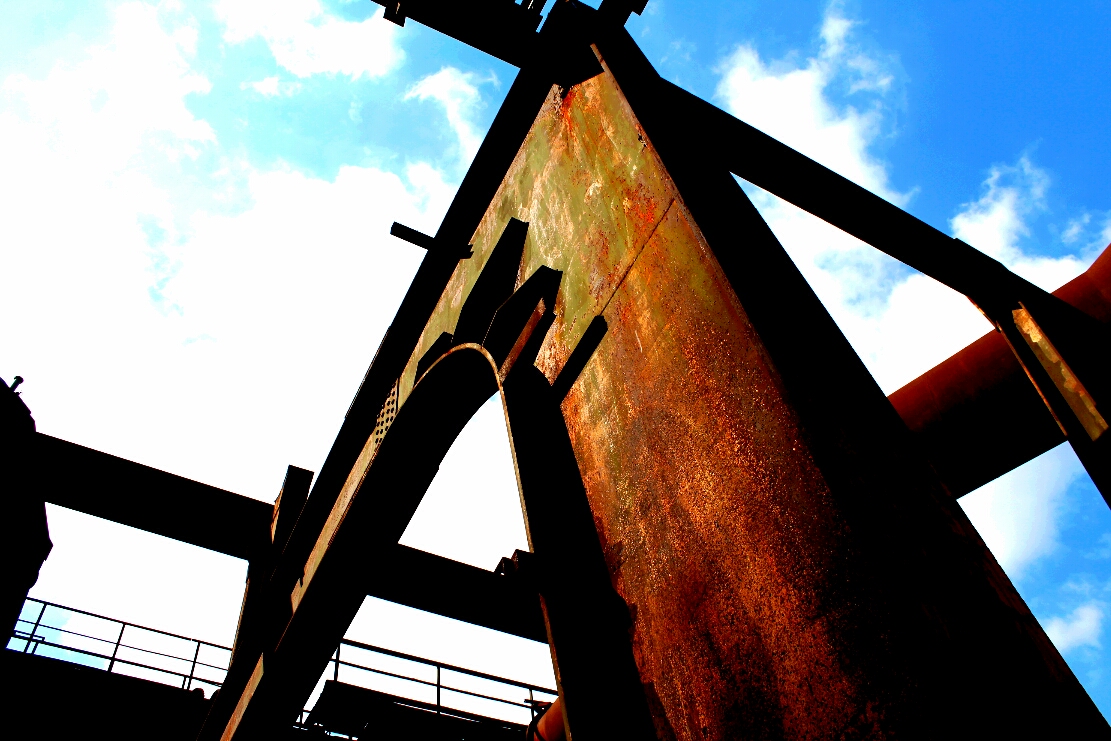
[
  {"x": 917, "y": 619},
  {"x": 587, "y": 621}
]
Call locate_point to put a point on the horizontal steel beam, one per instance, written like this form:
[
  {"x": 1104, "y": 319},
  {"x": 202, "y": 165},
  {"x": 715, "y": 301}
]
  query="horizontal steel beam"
[
  {"x": 116, "y": 489},
  {"x": 457, "y": 590},
  {"x": 128, "y": 493}
]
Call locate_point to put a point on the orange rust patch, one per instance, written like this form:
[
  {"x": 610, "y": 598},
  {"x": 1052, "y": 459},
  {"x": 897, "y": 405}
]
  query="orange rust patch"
[{"x": 718, "y": 528}]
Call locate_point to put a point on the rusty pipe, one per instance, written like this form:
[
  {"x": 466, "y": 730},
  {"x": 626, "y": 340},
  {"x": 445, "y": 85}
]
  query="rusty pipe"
[{"x": 976, "y": 414}]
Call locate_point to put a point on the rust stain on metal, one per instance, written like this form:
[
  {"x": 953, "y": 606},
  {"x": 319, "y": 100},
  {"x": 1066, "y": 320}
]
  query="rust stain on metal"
[
  {"x": 591, "y": 190},
  {"x": 1078, "y": 398},
  {"x": 719, "y": 530},
  {"x": 718, "y": 527},
  {"x": 244, "y": 700}
]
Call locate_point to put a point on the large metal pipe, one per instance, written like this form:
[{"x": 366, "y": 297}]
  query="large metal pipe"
[{"x": 977, "y": 414}]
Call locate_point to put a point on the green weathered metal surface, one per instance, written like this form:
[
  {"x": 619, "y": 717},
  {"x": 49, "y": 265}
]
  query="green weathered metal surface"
[{"x": 592, "y": 191}]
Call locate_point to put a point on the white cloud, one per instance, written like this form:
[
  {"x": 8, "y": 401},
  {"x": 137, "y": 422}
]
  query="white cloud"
[
  {"x": 1075, "y": 228},
  {"x": 790, "y": 103},
  {"x": 458, "y": 93},
  {"x": 996, "y": 222},
  {"x": 679, "y": 50},
  {"x": 122, "y": 98},
  {"x": 143, "y": 295},
  {"x": 84, "y": 152},
  {"x": 1081, "y": 628},
  {"x": 306, "y": 40},
  {"x": 900, "y": 324},
  {"x": 269, "y": 318},
  {"x": 1017, "y": 514},
  {"x": 272, "y": 87},
  {"x": 210, "y": 320}
]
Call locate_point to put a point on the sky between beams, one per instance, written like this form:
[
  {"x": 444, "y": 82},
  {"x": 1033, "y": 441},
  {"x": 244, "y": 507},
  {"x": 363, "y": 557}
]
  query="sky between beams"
[{"x": 196, "y": 197}]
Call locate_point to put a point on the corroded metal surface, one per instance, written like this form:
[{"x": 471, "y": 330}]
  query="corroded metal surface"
[
  {"x": 592, "y": 191},
  {"x": 715, "y": 520},
  {"x": 759, "y": 605}
]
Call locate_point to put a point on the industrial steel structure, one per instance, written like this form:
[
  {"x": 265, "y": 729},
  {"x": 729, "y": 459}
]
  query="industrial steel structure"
[{"x": 734, "y": 534}]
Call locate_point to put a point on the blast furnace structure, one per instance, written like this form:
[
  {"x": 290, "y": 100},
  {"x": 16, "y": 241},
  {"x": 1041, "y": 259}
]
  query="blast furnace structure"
[{"x": 734, "y": 534}]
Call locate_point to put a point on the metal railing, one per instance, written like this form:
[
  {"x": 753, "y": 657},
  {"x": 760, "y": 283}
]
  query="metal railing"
[
  {"x": 532, "y": 703},
  {"x": 121, "y": 647},
  {"x": 117, "y": 646}
]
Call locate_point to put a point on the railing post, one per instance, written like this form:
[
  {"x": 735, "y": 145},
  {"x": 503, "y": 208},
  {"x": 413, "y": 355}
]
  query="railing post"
[
  {"x": 33, "y": 630},
  {"x": 192, "y": 669},
  {"x": 437, "y": 689},
  {"x": 115, "y": 650},
  {"x": 531, "y": 703},
  {"x": 335, "y": 676}
]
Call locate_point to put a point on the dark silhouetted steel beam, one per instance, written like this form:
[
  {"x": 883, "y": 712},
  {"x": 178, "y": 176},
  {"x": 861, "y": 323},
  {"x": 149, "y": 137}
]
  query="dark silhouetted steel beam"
[
  {"x": 128, "y": 493},
  {"x": 457, "y": 590},
  {"x": 501, "y": 28},
  {"x": 116, "y": 489}
]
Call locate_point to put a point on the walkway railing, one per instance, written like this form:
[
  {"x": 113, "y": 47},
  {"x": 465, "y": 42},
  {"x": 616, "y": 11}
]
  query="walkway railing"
[
  {"x": 119, "y": 647},
  {"x": 81, "y": 637},
  {"x": 468, "y": 690}
]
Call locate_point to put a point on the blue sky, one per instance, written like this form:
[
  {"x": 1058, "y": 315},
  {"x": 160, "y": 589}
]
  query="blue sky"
[{"x": 196, "y": 198}]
